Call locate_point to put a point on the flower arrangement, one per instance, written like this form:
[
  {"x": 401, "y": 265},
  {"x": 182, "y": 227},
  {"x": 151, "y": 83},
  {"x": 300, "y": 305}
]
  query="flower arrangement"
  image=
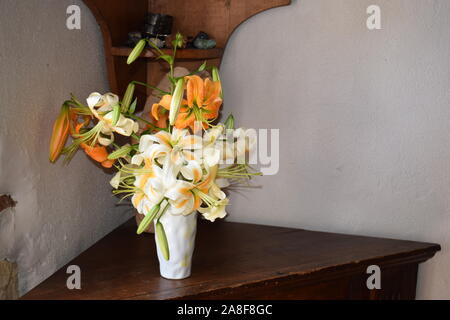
[{"x": 175, "y": 165}]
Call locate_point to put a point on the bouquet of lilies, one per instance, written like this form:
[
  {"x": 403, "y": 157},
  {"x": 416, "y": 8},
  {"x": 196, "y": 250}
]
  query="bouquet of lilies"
[{"x": 176, "y": 164}]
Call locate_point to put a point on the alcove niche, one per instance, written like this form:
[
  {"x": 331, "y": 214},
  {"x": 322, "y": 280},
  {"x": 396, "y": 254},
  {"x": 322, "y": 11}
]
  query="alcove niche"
[{"x": 219, "y": 18}]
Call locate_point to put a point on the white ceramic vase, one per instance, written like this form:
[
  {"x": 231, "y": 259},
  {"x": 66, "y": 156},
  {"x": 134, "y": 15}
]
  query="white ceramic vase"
[{"x": 180, "y": 232}]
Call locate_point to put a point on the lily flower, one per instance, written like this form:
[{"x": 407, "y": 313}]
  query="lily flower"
[
  {"x": 214, "y": 212},
  {"x": 99, "y": 154},
  {"x": 178, "y": 145},
  {"x": 94, "y": 150},
  {"x": 160, "y": 111},
  {"x": 181, "y": 198},
  {"x": 203, "y": 102},
  {"x": 217, "y": 147},
  {"x": 101, "y": 107}
]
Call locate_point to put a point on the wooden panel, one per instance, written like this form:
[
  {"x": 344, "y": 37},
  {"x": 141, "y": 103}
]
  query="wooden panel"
[
  {"x": 218, "y": 18},
  {"x": 116, "y": 18},
  {"x": 233, "y": 260}
]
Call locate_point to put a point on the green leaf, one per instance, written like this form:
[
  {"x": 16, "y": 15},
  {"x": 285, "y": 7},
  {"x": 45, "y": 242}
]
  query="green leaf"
[
  {"x": 148, "y": 219},
  {"x": 127, "y": 97},
  {"x": 132, "y": 107},
  {"x": 116, "y": 114},
  {"x": 167, "y": 58},
  {"x": 162, "y": 240},
  {"x": 136, "y": 52}
]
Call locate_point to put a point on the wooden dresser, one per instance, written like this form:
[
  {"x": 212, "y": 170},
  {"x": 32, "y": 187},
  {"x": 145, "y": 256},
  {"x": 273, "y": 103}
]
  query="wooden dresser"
[{"x": 245, "y": 261}]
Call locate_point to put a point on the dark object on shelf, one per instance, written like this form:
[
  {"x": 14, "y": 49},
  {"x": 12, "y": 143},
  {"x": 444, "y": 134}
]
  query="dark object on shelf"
[
  {"x": 157, "y": 24},
  {"x": 246, "y": 261},
  {"x": 133, "y": 38},
  {"x": 203, "y": 41},
  {"x": 201, "y": 35},
  {"x": 190, "y": 42},
  {"x": 157, "y": 41}
]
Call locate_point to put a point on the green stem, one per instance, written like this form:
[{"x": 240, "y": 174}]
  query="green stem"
[
  {"x": 151, "y": 87},
  {"x": 132, "y": 116}
]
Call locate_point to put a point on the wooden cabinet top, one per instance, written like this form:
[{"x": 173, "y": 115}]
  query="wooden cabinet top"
[{"x": 228, "y": 257}]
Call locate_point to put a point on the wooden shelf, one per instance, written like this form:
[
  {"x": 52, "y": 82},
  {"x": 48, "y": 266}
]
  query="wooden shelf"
[{"x": 184, "y": 54}]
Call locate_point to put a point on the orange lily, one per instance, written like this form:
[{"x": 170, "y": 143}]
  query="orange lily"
[
  {"x": 202, "y": 104},
  {"x": 60, "y": 133},
  {"x": 161, "y": 115},
  {"x": 203, "y": 101},
  {"x": 97, "y": 152}
]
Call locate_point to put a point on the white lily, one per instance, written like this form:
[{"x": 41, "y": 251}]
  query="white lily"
[
  {"x": 181, "y": 198},
  {"x": 214, "y": 212},
  {"x": 245, "y": 144},
  {"x": 217, "y": 147},
  {"x": 178, "y": 146},
  {"x": 151, "y": 184},
  {"x": 192, "y": 171},
  {"x": 115, "y": 181},
  {"x": 101, "y": 107},
  {"x": 211, "y": 154}
]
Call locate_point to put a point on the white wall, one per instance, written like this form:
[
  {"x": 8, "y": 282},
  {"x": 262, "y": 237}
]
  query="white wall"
[
  {"x": 61, "y": 210},
  {"x": 364, "y": 118}
]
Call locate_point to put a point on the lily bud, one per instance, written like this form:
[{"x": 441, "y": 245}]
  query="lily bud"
[
  {"x": 115, "y": 114},
  {"x": 60, "y": 133},
  {"x": 126, "y": 101},
  {"x": 179, "y": 41},
  {"x": 148, "y": 219},
  {"x": 162, "y": 240},
  {"x": 136, "y": 51},
  {"x": 175, "y": 103},
  {"x": 121, "y": 152},
  {"x": 229, "y": 123}
]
